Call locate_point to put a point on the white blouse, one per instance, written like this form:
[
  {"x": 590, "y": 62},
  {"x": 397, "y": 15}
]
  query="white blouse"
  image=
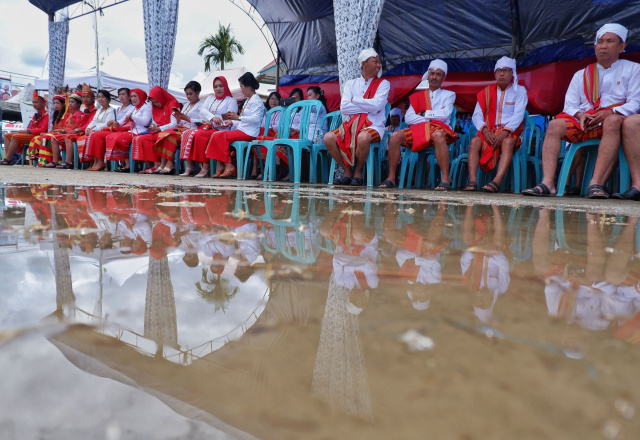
[
  {"x": 193, "y": 112},
  {"x": 101, "y": 118},
  {"x": 123, "y": 111},
  {"x": 251, "y": 116},
  {"x": 142, "y": 118},
  {"x": 214, "y": 107}
]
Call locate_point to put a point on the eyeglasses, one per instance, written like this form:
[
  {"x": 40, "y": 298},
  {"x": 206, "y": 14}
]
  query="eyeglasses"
[{"x": 505, "y": 70}]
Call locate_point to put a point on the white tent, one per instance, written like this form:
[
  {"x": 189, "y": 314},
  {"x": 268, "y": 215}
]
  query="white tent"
[{"x": 116, "y": 71}]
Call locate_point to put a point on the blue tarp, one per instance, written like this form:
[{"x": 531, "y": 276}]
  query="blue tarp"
[{"x": 51, "y": 6}]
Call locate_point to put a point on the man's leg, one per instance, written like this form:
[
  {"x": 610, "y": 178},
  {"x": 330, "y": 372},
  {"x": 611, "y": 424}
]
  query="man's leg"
[
  {"x": 473, "y": 158},
  {"x": 331, "y": 143},
  {"x": 395, "y": 143},
  {"x": 442, "y": 154},
  {"x": 630, "y": 136},
  {"x": 551, "y": 150},
  {"x": 608, "y": 149},
  {"x": 506, "y": 156},
  {"x": 362, "y": 152}
]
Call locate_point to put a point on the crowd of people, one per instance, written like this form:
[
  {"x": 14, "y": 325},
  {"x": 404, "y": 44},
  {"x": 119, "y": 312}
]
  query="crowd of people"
[{"x": 601, "y": 102}]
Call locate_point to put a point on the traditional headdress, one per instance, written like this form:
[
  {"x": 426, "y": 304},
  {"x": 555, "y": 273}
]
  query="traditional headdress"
[
  {"x": 614, "y": 28},
  {"x": 365, "y": 55},
  {"x": 87, "y": 89},
  {"x": 142, "y": 96},
  {"x": 223, "y": 80},
  {"x": 61, "y": 98},
  {"x": 36, "y": 96},
  {"x": 76, "y": 97},
  {"x": 506, "y": 62}
]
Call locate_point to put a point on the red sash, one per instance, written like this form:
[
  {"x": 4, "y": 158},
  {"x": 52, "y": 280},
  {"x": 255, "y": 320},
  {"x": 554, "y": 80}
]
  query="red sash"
[
  {"x": 421, "y": 133},
  {"x": 348, "y": 132}
]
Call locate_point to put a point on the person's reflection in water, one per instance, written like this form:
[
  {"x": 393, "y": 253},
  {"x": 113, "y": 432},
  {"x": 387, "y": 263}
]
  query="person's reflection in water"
[
  {"x": 339, "y": 376},
  {"x": 422, "y": 245},
  {"x": 485, "y": 267}
]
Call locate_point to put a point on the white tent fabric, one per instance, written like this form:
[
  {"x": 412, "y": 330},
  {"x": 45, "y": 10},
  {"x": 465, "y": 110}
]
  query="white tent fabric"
[
  {"x": 231, "y": 75},
  {"x": 116, "y": 71}
]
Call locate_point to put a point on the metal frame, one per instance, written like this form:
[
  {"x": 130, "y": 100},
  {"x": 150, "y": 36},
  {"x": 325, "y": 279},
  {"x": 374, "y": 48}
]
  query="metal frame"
[{"x": 83, "y": 8}]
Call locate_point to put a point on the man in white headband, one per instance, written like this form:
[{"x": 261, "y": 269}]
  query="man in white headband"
[
  {"x": 499, "y": 119},
  {"x": 363, "y": 111},
  {"x": 597, "y": 112},
  {"x": 395, "y": 119},
  {"x": 428, "y": 118}
]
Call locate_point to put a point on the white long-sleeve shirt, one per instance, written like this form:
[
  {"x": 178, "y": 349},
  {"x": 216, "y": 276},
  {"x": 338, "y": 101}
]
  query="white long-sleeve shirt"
[
  {"x": 214, "y": 107},
  {"x": 620, "y": 83},
  {"x": 510, "y": 109},
  {"x": 441, "y": 104},
  {"x": 173, "y": 123},
  {"x": 496, "y": 277},
  {"x": 251, "y": 116},
  {"x": 100, "y": 119},
  {"x": 123, "y": 111},
  {"x": 193, "y": 112},
  {"x": 142, "y": 118},
  {"x": 353, "y": 103},
  {"x": 314, "y": 127}
]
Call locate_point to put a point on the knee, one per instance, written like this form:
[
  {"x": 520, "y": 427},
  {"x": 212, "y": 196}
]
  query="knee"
[
  {"x": 364, "y": 139},
  {"x": 398, "y": 138},
  {"x": 475, "y": 144},
  {"x": 631, "y": 124},
  {"x": 612, "y": 122},
  {"x": 557, "y": 128},
  {"x": 330, "y": 139},
  {"x": 508, "y": 144},
  {"x": 438, "y": 137}
]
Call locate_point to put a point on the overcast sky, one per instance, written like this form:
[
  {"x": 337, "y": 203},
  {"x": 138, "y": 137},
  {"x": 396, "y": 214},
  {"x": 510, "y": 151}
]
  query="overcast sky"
[{"x": 24, "y": 37}]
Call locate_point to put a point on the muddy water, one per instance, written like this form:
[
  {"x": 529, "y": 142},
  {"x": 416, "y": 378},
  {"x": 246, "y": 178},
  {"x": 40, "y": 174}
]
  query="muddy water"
[{"x": 168, "y": 313}]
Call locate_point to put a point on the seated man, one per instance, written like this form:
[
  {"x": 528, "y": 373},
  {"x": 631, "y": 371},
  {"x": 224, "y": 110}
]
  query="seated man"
[
  {"x": 428, "y": 118},
  {"x": 39, "y": 124},
  {"x": 395, "y": 120},
  {"x": 363, "y": 107},
  {"x": 499, "y": 119},
  {"x": 597, "y": 99}
]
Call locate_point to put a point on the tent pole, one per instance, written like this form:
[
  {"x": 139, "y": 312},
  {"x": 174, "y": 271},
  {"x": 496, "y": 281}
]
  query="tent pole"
[
  {"x": 277, "y": 69},
  {"x": 95, "y": 26}
]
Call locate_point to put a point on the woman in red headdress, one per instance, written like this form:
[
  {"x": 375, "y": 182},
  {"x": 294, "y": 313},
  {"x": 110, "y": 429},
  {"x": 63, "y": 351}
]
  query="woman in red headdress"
[
  {"x": 39, "y": 124},
  {"x": 162, "y": 107},
  {"x": 169, "y": 140},
  {"x": 133, "y": 125},
  {"x": 211, "y": 120}
]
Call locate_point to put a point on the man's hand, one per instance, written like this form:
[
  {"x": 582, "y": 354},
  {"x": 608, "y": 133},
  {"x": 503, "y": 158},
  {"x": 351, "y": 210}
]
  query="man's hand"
[
  {"x": 584, "y": 119},
  {"x": 489, "y": 137},
  {"x": 154, "y": 128},
  {"x": 598, "y": 119},
  {"x": 497, "y": 141}
]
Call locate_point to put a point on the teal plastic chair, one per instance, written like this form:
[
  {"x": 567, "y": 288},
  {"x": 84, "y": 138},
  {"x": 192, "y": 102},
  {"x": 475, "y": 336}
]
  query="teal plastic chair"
[
  {"x": 373, "y": 165},
  {"x": 319, "y": 151},
  {"x": 242, "y": 149},
  {"x": 534, "y": 159},
  {"x": 411, "y": 160},
  {"x": 257, "y": 143},
  {"x": 309, "y": 109}
]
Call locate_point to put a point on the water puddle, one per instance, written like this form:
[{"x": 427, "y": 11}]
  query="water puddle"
[{"x": 193, "y": 313}]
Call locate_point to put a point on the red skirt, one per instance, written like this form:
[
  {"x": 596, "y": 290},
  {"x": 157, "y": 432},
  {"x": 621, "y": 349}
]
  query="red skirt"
[
  {"x": 168, "y": 142},
  {"x": 195, "y": 145},
  {"x": 97, "y": 144},
  {"x": 143, "y": 148},
  {"x": 218, "y": 147},
  {"x": 117, "y": 145}
]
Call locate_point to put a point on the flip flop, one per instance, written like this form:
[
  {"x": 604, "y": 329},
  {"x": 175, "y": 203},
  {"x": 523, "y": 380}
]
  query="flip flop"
[
  {"x": 443, "y": 186},
  {"x": 630, "y": 194},
  {"x": 491, "y": 187},
  {"x": 357, "y": 181},
  {"x": 51, "y": 165},
  {"x": 597, "y": 192},
  {"x": 5, "y": 162},
  {"x": 387, "y": 184},
  {"x": 540, "y": 190},
  {"x": 344, "y": 180},
  {"x": 471, "y": 186}
]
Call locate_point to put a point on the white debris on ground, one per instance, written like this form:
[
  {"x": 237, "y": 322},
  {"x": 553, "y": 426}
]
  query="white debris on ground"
[{"x": 416, "y": 341}]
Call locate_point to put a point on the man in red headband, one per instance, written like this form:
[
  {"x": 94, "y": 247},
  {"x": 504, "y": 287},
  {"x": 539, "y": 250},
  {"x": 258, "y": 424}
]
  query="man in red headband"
[{"x": 39, "y": 124}]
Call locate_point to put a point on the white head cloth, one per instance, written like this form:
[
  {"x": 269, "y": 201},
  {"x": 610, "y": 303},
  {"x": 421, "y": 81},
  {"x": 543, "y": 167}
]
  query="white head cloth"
[
  {"x": 506, "y": 62},
  {"x": 614, "y": 28},
  {"x": 396, "y": 111},
  {"x": 435, "y": 64},
  {"x": 365, "y": 55},
  {"x": 418, "y": 305}
]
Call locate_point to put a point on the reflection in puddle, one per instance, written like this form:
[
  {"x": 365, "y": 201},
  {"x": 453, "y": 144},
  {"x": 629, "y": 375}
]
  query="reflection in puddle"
[{"x": 290, "y": 314}]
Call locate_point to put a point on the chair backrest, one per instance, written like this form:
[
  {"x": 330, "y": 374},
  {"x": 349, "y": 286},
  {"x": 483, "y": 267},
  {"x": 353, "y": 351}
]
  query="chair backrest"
[
  {"x": 267, "y": 120},
  {"x": 333, "y": 120},
  {"x": 452, "y": 119},
  {"x": 309, "y": 109}
]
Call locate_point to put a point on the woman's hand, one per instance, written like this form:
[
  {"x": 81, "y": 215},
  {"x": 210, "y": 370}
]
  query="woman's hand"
[
  {"x": 231, "y": 116},
  {"x": 217, "y": 120}
]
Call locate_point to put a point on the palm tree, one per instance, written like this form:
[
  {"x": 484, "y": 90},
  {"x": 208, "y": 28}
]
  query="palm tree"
[{"x": 221, "y": 47}]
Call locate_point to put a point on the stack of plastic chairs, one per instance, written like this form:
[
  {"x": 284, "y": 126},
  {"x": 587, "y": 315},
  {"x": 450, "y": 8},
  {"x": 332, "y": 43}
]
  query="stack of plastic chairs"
[
  {"x": 319, "y": 151},
  {"x": 373, "y": 166}
]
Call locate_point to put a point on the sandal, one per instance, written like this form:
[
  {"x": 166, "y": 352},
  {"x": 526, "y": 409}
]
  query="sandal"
[
  {"x": 630, "y": 194},
  {"x": 65, "y": 166},
  {"x": 6, "y": 162},
  {"x": 188, "y": 173},
  {"x": 169, "y": 172},
  {"x": 219, "y": 172},
  {"x": 148, "y": 171},
  {"x": 491, "y": 187},
  {"x": 597, "y": 192},
  {"x": 344, "y": 180},
  {"x": 357, "y": 181},
  {"x": 471, "y": 186},
  {"x": 387, "y": 184},
  {"x": 443, "y": 186},
  {"x": 231, "y": 172},
  {"x": 540, "y": 190},
  {"x": 50, "y": 165}
]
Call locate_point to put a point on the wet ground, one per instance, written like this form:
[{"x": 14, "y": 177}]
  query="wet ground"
[{"x": 172, "y": 312}]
